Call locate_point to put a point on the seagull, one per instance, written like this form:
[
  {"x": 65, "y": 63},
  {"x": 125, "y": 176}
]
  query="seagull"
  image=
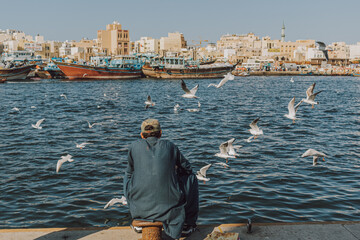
[
  {"x": 291, "y": 79},
  {"x": 149, "y": 103},
  {"x": 91, "y": 125},
  {"x": 227, "y": 150},
  {"x": 82, "y": 145},
  {"x": 201, "y": 175},
  {"x": 63, "y": 95},
  {"x": 37, "y": 125},
  {"x": 255, "y": 130},
  {"x": 121, "y": 200},
  {"x": 322, "y": 47},
  {"x": 189, "y": 93},
  {"x": 32, "y": 107},
  {"x": 67, "y": 158},
  {"x": 292, "y": 109},
  {"x": 195, "y": 109},
  {"x": 16, "y": 109},
  {"x": 315, "y": 154},
  {"x": 177, "y": 108},
  {"x": 226, "y": 78},
  {"x": 310, "y": 96},
  {"x": 222, "y": 164}
]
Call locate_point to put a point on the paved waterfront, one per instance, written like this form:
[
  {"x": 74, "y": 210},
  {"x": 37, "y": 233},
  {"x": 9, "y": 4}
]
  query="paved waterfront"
[{"x": 264, "y": 231}]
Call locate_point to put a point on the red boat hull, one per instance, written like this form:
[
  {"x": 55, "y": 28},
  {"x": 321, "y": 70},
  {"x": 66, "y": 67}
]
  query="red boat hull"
[{"x": 83, "y": 72}]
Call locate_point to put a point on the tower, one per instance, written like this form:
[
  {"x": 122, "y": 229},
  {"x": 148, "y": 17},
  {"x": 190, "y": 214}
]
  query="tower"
[{"x": 283, "y": 33}]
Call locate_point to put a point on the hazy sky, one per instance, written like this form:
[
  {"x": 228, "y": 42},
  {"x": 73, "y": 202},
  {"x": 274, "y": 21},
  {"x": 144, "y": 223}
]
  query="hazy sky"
[{"x": 323, "y": 20}]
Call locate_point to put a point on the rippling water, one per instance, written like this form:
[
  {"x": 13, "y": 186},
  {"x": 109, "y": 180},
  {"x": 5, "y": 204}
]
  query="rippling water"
[{"x": 268, "y": 182}]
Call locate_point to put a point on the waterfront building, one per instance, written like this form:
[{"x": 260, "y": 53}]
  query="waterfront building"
[
  {"x": 287, "y": 49},
  {"x": 65, "y": 49},
  {"x": 354, "y": 51},
  {"x": 114, "y": 40},
  {"x": 174, "y": 42},
  {"x": 147, "y": 45}
]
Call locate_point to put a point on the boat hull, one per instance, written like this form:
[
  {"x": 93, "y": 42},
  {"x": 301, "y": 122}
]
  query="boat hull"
[
  {"x": 83, "y": 72},
  {"x": 17, "y": 73},
  {"x": 207, "y": 71}
]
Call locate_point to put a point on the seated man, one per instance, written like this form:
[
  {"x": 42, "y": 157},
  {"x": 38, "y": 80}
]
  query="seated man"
[{"x": 159, "y": 184}]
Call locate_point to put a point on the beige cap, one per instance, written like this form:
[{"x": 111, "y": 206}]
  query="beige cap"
[{"x": 150, "y": 125}]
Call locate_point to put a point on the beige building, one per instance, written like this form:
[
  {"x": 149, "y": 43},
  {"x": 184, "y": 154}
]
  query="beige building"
[
  {"x": 147, "y": 45},
  {"x": 174, "y": 42},
  {"x": 288, "y": 49},
  {"x": 114, "y": 40}
]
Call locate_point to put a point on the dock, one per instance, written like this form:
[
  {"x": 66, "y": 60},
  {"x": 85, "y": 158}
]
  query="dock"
[{"x": 259, "y": 231}]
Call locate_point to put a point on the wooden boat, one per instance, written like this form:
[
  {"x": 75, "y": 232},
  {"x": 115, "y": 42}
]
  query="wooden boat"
[
  {"x": 16, "y": 73},
  {"x": 178, "y": 68},
  {"x": 2, "y": 80},
  {"x": 123, "y": 68}
]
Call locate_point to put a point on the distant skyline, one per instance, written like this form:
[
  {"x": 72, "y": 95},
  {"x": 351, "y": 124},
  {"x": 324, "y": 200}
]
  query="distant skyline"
[{"x": 327, "y": 21}]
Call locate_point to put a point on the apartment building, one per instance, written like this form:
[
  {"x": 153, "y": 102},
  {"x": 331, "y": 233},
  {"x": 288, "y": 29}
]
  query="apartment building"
[
  {"x": 114, "y": 40},
  {"x": 147, "y": 45},
  {"x": 174, "y": 42}
]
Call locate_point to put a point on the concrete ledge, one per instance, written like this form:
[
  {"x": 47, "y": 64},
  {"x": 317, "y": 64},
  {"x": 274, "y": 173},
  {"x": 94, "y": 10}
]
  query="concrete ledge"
[{"x": 260, "y": 231}]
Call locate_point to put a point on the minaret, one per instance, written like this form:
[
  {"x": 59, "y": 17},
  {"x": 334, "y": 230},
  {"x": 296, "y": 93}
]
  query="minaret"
[{"x": 283, "y": 33}]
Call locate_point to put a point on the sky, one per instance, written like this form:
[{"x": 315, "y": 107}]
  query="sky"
[{"x": 327, "y": 21}]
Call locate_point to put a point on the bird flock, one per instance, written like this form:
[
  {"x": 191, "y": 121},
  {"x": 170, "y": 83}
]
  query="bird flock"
[{"x": 227, "y": 149}]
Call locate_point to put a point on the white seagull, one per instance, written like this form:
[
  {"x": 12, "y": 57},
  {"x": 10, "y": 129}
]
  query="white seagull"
[
  {"x": 222, "y": 164},
  {"x": 149, "y": 102},
  {"x": 322, "y": 47},
  {"x": 82, "y": 145},
  {"x": 226, "y": 78},
  {"x": 91, "y": 125},
  {"x": 315, "y": 154},
  {"x": 67, "y": 158},
  {"x": 177, "y": 108},
  {"x": 255, "y": 130},
  {"x": 63, "y": 95},
  {"x": 189, "y": 93},
  {"x": 16, "y": 109},
  {"x": 195, "y": 109},
  {"x": 310, "y": 96},
  {"x": 37, "y": 125},
  {"x": 227, "y": 150},
  {"x": 121, "y": 200},
  {"x": 201, "y": 175},
  {"x": 291, "y": 79},
  {"x": 292, "y": 109}
]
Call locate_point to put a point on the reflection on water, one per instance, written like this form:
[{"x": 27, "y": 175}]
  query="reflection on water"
[{"x": 268, "y": 182}]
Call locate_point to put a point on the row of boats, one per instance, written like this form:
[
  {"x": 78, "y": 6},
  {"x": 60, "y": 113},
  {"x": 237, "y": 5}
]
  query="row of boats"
[{"x": 124, "y": 67}]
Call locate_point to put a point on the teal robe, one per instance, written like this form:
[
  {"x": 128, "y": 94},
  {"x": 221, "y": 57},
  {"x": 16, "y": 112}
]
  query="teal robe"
[{"x": 152, "y": 185}]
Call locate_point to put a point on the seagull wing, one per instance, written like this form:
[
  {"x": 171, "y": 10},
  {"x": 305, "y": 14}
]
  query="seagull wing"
[
  {"x": 223, "y": 148},
  {"x": 298, "y": 105},
  {"x": 204, "y": 169},
  {"x": 39, "y": 122},
  {"x": 312, "y": 97},
  {"x": 326, "y": 54},
  {"x": 184, "y": 87},
  {"x": 194, "y": 90},
  {"x": 309, "y": 152},
  {"x": 223, "y": 81},
  {"x": 253, "y": 124},
  {"x": 291, "y": 107},
  {"x": 59, "y": 163},
  {"x": 149, "y": 99},
  {"x": 321, "y": 45},
  {"x": 310, "y": 90}
]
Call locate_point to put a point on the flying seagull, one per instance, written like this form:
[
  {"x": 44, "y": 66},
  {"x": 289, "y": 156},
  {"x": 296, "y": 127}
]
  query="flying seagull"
[
  {"x": 201, "y": 175},
  {"x": 227, "y": 150},
  {"x": 67, "y": 158},
  {"x": 91, "y": 125},
  {"x": 82, "y": 145},
  {"x": 255, "y": 130},
  {"x": 37, "y": 125},
  {"x": 149, "y": 102},
  {"x": 315, "y": 154},
  {"x": 226, "y": 78},
  {"x": 322, "y": 47},
  {"x": 63, "y": 95},
  {"x": 310, "y": 96},
  {"x": 121, "y": 200},
  {"x": 189, "y": 93},
  {"x": 292, "y": 110}
]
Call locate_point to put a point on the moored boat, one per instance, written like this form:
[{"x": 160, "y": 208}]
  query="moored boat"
[
  {"x": 170, "y": 67},
  {"x": 126, "y": 67},
  {"x": 16, "y": 73}
]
